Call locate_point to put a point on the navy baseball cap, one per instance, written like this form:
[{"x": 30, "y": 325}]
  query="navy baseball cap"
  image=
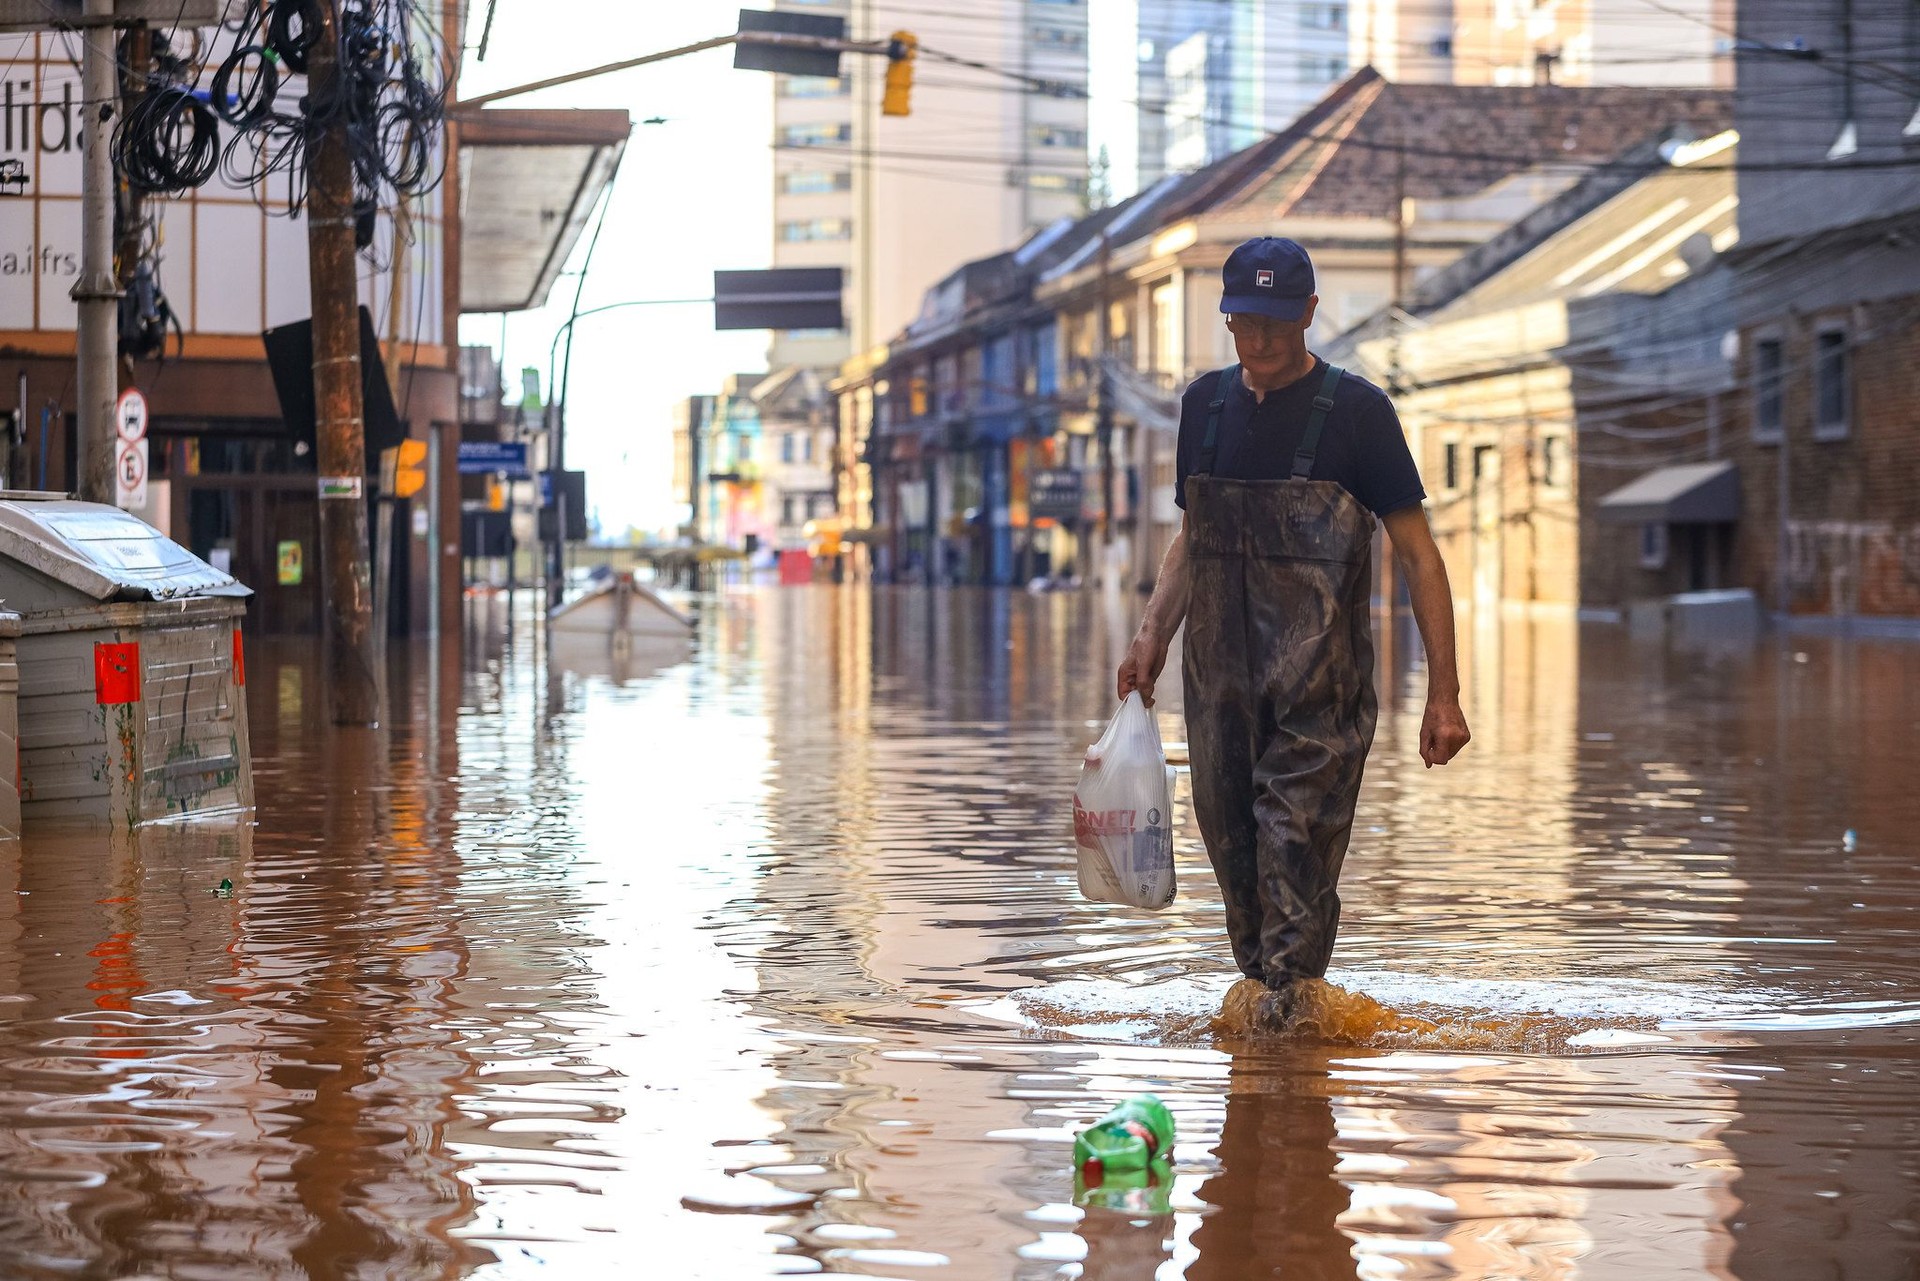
[{"x": 1267, "y": 276}]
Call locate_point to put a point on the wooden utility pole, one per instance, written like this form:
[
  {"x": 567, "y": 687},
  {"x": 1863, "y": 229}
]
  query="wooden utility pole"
[
  {"x": 1389, "y": 588},
  {"x": 340, "y": 430},
  {"x": 1103, "y": 398}
]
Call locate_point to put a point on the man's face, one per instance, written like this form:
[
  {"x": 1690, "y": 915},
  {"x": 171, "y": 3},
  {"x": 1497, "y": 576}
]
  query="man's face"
[{"x": 1266, "y": 345}]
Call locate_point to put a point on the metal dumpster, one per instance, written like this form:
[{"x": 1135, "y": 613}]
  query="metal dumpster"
[
  {"x": 131, "y": 706},
  {"x": 9, "y": 726}
]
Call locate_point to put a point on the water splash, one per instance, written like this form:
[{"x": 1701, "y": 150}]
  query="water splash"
[
  {"x": 1383, "y": 1009},
  {"x": 1319, "y": 1012}
]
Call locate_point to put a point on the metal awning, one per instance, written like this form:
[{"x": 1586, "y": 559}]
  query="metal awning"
[
  {"x": 1690, "y": 494},
  {"x": 529, "y": 180}
]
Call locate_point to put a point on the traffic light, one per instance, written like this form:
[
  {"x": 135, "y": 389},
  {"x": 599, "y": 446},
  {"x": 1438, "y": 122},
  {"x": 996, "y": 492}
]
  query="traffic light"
[
  {"x": 402, "y": 470},
  {"x": 901, "y": 51}
]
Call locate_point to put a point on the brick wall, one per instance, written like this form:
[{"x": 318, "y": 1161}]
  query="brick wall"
[{"x": 1853, "y": 533}]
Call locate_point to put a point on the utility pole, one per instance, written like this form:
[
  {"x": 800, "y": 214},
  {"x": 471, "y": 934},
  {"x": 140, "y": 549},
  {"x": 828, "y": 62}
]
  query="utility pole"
[
  {"x": 97, "y": 291},
  {"x": 1389, "y": 588},
  {"x": 338, "y": 411},
  {"x": 1103, "y": 408}
]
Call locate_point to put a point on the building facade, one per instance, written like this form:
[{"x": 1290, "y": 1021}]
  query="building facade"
[
  {"x": 1565, "y": 389},
  {"x": 1828, "y": 290},
  {"x": 230, "y": 476},
  {"x": 1104, "y": 321}
]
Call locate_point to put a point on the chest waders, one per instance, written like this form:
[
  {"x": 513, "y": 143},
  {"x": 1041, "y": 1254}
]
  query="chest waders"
[{"x": 1278, "y": 670}]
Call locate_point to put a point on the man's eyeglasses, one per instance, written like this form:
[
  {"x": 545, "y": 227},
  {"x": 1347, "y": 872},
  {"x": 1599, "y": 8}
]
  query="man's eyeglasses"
[{"x": 1252, "y": 326}]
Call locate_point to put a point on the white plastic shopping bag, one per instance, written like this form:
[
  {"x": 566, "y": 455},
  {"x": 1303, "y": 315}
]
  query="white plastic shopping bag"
[{"x": 1123, "y": 813}]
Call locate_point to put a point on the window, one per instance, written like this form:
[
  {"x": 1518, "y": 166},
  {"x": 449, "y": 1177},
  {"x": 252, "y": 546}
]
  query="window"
[
  {"x": 1057, "y": 38},
  {"x": 812, "y": 87},
  {"x": 1554, "y": 471},
  {"x": 786, "y": 450},
  {"x": 817, "y": 134},
  {"x": 1653, "y": 545},
  {"x": 813, "y": 182},
  {"x": 803, "y": 229},
  {"x": 1056, "y": 182},
  {"x": 1318, "y": 68},
  {"x": 1452, "y": 464},
  {"x": 1832, "y": 396},
  {"x": 1056, "y": 136},
  {"x": 1768, "y": 409},
  {"x": 1324, "y": 17}
]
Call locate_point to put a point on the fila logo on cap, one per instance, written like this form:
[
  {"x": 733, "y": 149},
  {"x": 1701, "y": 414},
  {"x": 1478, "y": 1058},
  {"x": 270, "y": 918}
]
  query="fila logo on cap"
[{"x": 1263, "y": 279}]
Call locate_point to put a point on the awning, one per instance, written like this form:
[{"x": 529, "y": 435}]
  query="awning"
[
  {"x": 529, "y": 180},
  {"x": 1691, "y": 494}
]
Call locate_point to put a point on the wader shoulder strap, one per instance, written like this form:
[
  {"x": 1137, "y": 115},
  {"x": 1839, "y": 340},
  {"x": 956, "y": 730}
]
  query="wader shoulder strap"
[
  {"x": 1203, "y": 466},
  {"x": 1316, "y": 421}
]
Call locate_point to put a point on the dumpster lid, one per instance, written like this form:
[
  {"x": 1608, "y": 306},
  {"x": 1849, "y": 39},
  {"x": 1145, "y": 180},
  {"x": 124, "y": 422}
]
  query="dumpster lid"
[{"x": 103, "y": 552}]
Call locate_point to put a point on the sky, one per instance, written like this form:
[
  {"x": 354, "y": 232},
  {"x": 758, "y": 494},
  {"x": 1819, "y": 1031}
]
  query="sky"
[{"x": 693, "y": 194}]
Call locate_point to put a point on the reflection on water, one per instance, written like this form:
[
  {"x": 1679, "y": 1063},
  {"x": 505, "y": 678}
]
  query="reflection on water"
[{"x": 765, "y": 956}]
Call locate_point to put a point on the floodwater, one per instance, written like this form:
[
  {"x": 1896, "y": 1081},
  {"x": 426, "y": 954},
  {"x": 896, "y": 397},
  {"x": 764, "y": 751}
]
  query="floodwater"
[{"x": 766, "y": 957}]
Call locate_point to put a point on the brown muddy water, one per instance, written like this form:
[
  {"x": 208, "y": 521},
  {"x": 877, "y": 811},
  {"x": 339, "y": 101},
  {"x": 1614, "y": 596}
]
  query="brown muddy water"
[{"x": 766, "y": 957}]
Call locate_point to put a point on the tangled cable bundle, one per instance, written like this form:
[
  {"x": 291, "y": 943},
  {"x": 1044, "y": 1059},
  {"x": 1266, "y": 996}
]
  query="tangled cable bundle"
[{"x": 388, "y": 100}]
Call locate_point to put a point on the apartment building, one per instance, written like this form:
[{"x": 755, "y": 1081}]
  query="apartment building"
[
  {"x": 895, "y": 202},
  {"x": 1673, "y": 44}
]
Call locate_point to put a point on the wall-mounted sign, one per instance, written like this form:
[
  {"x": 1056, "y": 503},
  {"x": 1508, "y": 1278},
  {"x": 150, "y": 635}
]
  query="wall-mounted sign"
[
  {"x": 1054, "y": 493},
  {"x": 289, "y": 569},
  {"x": 488, "y": 457}
]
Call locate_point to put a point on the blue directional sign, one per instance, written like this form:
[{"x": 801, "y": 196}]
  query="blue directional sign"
[{"x": 488, "y": 457}]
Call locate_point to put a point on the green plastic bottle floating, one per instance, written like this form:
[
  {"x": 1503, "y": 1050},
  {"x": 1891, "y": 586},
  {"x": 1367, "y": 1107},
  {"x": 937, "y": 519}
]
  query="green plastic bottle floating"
[{"x": 1131, "y": 1138}]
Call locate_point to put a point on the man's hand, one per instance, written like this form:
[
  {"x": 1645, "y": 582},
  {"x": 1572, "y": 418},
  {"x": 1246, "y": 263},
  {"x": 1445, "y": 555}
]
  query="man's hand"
[
  {"x": 1140, "y": 669},
  {"x": 1443, "y": 731}
]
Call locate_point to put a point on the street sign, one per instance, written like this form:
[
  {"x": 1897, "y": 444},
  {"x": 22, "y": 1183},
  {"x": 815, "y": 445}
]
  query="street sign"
[
  {"x": 750, "y": 54},
  {"x": 130, "y": 475},
  {"x": 486, "y": 457},
  {"x": 783, "y": 298},
  {"x": 1054, "y": 493},
  {"x": 130, "y": 415}
]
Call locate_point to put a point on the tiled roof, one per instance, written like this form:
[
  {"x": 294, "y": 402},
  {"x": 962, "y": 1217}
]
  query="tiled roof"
[{"x": 1456, "y": 140}]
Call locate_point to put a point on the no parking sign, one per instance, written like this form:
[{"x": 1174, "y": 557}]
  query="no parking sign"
[{"x": 130, "y": 455}]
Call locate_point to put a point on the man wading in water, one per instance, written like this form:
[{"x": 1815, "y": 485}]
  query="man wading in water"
[{"x": 1284, "y": 463}]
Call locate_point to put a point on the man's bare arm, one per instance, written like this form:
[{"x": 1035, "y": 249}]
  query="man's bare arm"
[
  {"x": 1166, "y": 610},
  {"x": 1443, "y": 730}
]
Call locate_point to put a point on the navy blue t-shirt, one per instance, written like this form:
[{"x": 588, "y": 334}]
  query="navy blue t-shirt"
[{"x": 1362, "y": 447}]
